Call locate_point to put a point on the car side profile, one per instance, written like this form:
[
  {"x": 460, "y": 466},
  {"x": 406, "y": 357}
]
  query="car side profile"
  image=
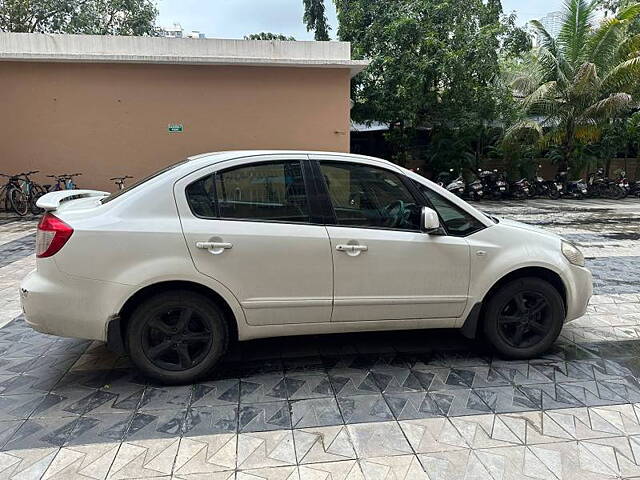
[{"x": 250, "y": 244}]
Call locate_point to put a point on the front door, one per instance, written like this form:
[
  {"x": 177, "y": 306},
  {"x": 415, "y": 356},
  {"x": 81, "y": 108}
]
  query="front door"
[
  {"x": 249, "y": 228},
  {"x": 385, "y": 268}
]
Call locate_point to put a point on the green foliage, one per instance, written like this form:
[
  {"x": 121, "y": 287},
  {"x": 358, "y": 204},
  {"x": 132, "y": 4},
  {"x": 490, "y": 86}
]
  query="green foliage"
[
  {"x": 434, "y": 64},
  {"x": 316, "y": 20},
  {"x": 516, "y": 40},
  {"x": 575, "y": 86},
  {"x": 97, "y": 17},
  {"x": 268, "y": 36}
]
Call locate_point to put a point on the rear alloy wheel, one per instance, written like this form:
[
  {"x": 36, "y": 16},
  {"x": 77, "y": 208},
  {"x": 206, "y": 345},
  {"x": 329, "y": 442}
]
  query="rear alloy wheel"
[
  {"x": 524, "y": 318},
  {"x": 177, "y": 337}
]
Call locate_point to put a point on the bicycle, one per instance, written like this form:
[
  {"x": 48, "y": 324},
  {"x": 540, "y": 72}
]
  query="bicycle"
[
  {"x": 59, "y": 184},
  {"x": 13, "y": 196},
  {"x": 33, "y": 191},
  {"x": 70, "y": 184},
  {"x": 21, "y": 193},
  {"x": 119, "y": 181},
  {"x": 63, "y": 182}
]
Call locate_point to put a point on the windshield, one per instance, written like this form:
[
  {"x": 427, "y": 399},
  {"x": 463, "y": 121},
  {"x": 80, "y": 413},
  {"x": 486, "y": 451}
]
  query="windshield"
[{"x": 140, "y": 182}]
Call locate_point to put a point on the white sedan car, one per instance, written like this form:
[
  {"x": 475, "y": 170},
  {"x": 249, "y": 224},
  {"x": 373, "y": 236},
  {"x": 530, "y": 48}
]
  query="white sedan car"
[{"x": 248, "y": 244}]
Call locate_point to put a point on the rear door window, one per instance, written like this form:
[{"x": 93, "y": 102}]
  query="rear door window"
[{"x": 269, "y": 191}]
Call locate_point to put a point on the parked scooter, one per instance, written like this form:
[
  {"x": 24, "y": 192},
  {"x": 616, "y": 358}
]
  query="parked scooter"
[
  {"x": 456, "y": 185},
  {"x": 539, "y": 187},
  {"x": 475, "y": 190},
  {"x": 571, "y": 188},
  {"x": 623, "y": 182},
  {"x": 601, "y": 186},
  {"x": 494, "y": 184},
  {"x": 444, "y": 178},
  {"x": 519, "y": 189}
]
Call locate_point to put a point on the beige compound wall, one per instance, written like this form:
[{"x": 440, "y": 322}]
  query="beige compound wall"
[{"x": 106, "y": 120}]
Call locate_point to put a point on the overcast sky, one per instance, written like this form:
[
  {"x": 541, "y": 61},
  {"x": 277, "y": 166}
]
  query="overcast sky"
[{"x": 236, "y": 18}]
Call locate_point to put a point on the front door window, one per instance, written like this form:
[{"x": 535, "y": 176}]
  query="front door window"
[{"x": 370, "y": 197}]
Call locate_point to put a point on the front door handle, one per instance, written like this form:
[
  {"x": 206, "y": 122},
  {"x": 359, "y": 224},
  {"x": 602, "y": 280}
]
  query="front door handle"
[
  {"x": 352, "y": 249},
  {"x": 214, "y": 247}
]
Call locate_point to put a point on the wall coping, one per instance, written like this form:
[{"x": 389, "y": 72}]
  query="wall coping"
[{"x": 40, "y": 47}]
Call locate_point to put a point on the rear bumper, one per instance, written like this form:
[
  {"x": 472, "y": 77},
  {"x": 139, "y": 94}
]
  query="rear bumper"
[{"x": 58, "y": 304}]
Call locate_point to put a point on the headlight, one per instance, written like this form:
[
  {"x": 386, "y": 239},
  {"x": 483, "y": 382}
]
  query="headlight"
[{"x": 572, "y": 254}]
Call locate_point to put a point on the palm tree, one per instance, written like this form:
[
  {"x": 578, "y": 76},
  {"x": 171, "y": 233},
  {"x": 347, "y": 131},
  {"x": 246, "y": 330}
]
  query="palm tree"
[{"x": 573, "y": 85}]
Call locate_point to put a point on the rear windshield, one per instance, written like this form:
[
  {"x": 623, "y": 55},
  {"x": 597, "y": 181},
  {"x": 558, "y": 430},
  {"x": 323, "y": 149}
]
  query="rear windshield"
[{"x": 140, "y": 182}]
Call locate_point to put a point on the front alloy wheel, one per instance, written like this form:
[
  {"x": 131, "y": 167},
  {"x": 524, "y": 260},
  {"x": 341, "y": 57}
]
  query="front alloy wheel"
[{"x": 524, "y": 317}]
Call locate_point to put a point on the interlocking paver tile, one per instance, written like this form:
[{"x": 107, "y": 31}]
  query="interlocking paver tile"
[
  {"x": 314, "y": 412},
  {"x": 206, "y": 454},
  {"x": 378, "y": 439},
  {"x": 364, "y": 408},
  {"x": 323, "y": 444}
]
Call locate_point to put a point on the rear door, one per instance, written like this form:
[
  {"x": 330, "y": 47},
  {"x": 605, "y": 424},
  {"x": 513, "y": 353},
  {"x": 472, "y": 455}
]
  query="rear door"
[{"x": 250, "y": 226}]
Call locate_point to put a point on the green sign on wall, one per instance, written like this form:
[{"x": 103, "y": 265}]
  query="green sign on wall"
[{"x": 175, "y": 128}]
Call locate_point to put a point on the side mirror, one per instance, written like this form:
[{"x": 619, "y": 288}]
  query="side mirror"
[{"x": 429, "y": 221}]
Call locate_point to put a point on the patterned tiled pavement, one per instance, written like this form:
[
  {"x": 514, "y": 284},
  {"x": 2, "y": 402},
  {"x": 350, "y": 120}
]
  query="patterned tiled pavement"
[{"x": 406, "y": 405}]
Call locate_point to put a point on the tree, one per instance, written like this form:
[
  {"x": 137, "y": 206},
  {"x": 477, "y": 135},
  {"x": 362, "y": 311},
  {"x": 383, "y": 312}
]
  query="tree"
[
  {"x": 434, "y": 65},
  {"x": 96, "y": 17},
  {"x": 316, "y": 20},
  {"x": 516, "y": 40},
  {"x": 575, "y": 85},
  {"x": 268, "y": 36}
]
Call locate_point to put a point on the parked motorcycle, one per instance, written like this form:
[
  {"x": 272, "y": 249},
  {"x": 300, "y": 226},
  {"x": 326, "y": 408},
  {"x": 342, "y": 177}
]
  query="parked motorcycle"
[
  {"x": 539, "y": 187},
  {"x": 634, "y": 188},
  {"x": 493, "y": 183},
  {"x": 571, "y": 188}
]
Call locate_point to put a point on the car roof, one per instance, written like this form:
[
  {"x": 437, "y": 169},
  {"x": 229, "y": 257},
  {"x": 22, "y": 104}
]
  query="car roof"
[{"x": 215, "y": 157}]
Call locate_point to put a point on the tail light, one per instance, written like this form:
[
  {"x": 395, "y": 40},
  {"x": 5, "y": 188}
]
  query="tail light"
[{"x": 51, "y": 236}]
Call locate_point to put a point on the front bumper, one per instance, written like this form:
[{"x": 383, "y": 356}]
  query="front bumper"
[
  {"x": 579, "y": 291},
  {"x": 66, "y": 306}
]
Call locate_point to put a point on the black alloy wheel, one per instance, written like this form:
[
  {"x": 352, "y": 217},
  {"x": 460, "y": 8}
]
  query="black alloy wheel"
[
  {"x": 176, "y": 337},
  {"x": 523, "y": 317}
]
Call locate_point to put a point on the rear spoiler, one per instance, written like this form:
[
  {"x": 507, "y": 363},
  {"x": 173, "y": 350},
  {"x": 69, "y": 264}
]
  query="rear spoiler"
[{"x": 52, "y": 200}]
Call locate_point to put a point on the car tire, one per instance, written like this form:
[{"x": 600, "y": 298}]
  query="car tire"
[
  {"x": 511, "y": 311},
  {"x": 161, "y": 337}
]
